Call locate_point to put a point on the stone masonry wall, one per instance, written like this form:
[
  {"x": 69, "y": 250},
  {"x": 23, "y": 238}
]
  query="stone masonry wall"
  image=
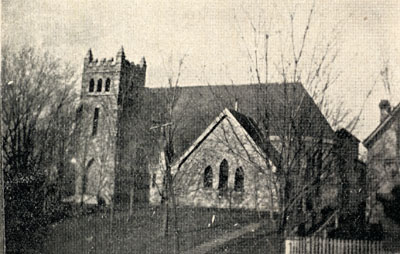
[
  {"x": 96, "y": 151},
  {"x": 227, "y": 141}
]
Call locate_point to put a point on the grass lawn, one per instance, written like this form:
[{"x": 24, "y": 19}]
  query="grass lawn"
[
  {"x": 257, "y": 242},
  {"x": 143, "y": 232}
]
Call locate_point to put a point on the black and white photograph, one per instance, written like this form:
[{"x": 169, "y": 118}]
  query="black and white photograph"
[{"x": 200, "y": 127}]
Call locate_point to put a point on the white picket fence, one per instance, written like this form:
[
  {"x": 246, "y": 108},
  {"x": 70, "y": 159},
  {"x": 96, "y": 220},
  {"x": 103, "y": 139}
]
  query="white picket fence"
[{"x": 310, "y": 245}]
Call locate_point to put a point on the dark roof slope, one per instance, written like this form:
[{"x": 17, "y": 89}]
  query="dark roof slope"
[
  {"x": 382, "y": 127},
  {"x": 197, "y": 106},
  {"x": 250, "y": 126}
]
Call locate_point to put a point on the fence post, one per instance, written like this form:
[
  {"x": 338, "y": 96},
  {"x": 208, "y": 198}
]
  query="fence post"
[
  {"x": 357, "y": 246},
  {"x": 345, "y": 247},
  {"x": 328, "y": 245},
  {"x": 287, "y": 244},
  {"x": 370, "y": 247},
  {"x": 334, "y": 246},
  {"x": 308, "y": 248},
  {"x": 373, "y": 247},
  {"x": 380, "y": 247},
  {"x": 307, "y": 241},
  {"x": 300, "y": 244},
  {"x": 351, "y": 246},
  {"x": 339, "y": 246}
]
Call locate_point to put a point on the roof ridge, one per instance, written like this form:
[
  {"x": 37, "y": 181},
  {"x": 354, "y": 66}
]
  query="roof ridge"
[
  {"x": 381, "y": 125},
  {"x": 230, "y": 85}
]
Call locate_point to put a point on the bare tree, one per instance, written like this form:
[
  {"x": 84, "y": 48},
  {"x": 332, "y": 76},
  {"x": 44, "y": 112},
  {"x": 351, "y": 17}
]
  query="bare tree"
[
  {"x": 2, "y": 219},
  {"x": 167, "y": 124},
  {"x": 36, "y": 92},
  {"x": 308, "y": 161}
]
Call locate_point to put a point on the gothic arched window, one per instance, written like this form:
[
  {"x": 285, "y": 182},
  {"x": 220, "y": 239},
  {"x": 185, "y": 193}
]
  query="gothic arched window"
[
  {"x": 153, "y": 181},
  {"x": 99, "y": 84},
  {"x": 91, "y": 86},
  {"x": 208, "y": 177},
  {"x": 239, "y": 179},
  {"x": 108, "y": 83},
  {"x": 95, "y": 121},
  {"x": 223, "y": 175}
]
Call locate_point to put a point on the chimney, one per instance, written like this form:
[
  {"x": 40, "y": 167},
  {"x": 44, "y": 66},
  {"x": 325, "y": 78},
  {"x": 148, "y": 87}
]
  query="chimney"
[
  {"x": 384, "y": 106},
  {"x": 236, "y": 105}
]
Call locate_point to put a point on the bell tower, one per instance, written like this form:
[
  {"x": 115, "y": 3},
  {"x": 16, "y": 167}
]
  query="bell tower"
[{"x": 108, "y": 95}]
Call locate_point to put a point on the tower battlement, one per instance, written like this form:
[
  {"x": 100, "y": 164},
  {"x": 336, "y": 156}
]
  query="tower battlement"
[
  {"x": 92, "y": 64},
  {"x": 109, "y": 76},
  {"x": 104, "y": 61}
]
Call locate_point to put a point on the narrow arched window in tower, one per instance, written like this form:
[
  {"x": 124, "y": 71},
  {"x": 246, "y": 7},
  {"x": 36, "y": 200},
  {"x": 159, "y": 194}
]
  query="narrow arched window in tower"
[
  {"x": 153, "y": 180},
  {"x": 223, "y": 175},
  {"x": 208, "y": 177},
  {"x": 239, "y": 179},
  {"x": 99, "y": 85},
  {"x": 95, "y": 121},
  {"x": 90, "y": 163},
  {"x": 91, "y": 86},
  {"x": 108, "y": 83}
]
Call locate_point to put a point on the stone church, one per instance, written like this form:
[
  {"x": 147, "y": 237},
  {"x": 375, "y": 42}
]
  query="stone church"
[{"x": 226, "y": 139}]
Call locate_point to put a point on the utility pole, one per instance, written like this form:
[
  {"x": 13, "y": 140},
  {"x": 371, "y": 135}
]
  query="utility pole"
[{"x": 166, "y": 156}]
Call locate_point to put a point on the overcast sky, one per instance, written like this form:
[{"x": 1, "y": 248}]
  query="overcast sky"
[{"x": 215, "y": 36}]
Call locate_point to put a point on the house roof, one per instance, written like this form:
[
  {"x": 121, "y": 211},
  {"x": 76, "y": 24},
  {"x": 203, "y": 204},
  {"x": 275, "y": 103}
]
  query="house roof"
[
  {"x": 343, "y": 133},
  {"x": 382, "y": 127},
  {"x": 197, "y": 106},
  {"x": 249, "y": 127}
]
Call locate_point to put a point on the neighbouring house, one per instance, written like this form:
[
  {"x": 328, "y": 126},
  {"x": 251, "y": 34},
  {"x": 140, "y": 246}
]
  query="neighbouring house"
[
  {"x": 229, "y": 142},
  {"x": 383, "y": 146}
]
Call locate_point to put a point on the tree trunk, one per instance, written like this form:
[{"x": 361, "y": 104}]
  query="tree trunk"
[
  {"x": 2, "y": 212},
  {"x": 130, "y": 203},
  {"x": 176, "y": 228},
  {"x": 111, "y": 215},
  {"x": 165, "y": 217}
]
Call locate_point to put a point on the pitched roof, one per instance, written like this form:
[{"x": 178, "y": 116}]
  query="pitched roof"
[
  {"x": 382, "y": 127},
  {"x": 249, "y": 127},
  {"x": 197, "y": 106}
]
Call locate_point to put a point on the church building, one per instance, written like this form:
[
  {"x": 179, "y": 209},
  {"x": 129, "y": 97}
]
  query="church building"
[{"x": 226, "y": 140}]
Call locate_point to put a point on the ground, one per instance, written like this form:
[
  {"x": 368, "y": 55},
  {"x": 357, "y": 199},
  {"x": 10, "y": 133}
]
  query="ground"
[
  {"x": 143, "y": 232},
  {"x": 260, "y": 241}
]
